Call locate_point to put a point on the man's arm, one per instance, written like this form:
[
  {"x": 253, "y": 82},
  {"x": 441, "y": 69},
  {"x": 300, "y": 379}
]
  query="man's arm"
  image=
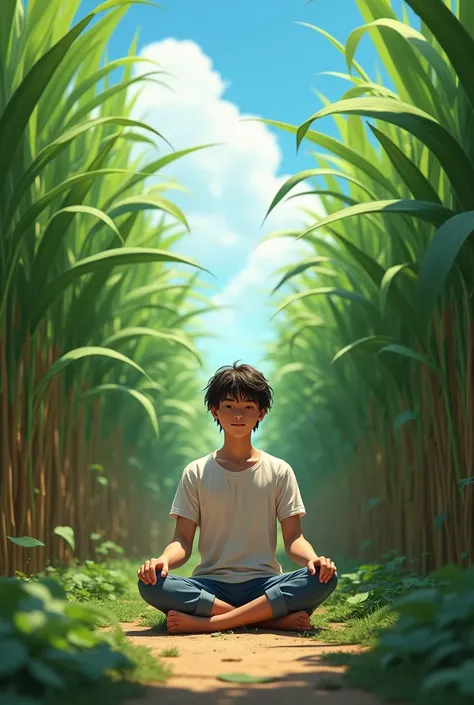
[
  {"x": 178, "y": 551},
  {"x": 175, "y": 554},
  {"x": 300, "y": 550}
]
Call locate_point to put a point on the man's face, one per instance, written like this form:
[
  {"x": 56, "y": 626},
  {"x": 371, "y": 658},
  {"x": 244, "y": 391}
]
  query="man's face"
[{"x": 238, "y": 417}]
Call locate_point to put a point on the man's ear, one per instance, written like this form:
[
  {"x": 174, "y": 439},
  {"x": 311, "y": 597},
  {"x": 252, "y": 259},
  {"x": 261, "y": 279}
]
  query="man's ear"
[
  {"x": 214, "y": 412},
  {"x": 262, "y": 414}
]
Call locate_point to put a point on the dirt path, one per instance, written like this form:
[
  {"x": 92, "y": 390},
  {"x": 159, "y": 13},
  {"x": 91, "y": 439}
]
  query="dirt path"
[{"x": 296, "y": 661}]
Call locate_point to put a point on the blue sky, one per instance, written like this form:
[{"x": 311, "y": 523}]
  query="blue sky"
[{"x": 231, "y": 60}]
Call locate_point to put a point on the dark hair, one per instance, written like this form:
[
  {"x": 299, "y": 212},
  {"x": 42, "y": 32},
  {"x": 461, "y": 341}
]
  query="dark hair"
[{"x": 238, "y": 380}]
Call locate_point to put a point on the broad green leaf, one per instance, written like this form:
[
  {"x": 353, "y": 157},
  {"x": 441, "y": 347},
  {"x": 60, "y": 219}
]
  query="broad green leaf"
[
  {"x": 444, "y": 146},
  {"x": 407, "y": 352},
  {"x": 415, "y": 39},
  {"x": 45, "y": 674},
  {"x": 413, "y": 177},
  {"x": 443, "y": 678},
  {"x": 338, "y": 45},
  {"x": 141, "y": 398},
  {"x": 245, "y": 678},
  {"x": 388, "y": 279},
  {"x": 404, "y": 418},
  {"x": 147, "y": 202},
  {"x": 25, "y": 541},
  {"x": 358, "y": 599},
  {"x": 343, "y": 151},
  {"x": 433, "y": 213},
  {"x": 299, "y": 268},
  {"x": 439, "y": 520},
  {"x": 371, "y": 344},
  {"x": 84, "y": 353},
  {"x": 136, "y": 332},
  {"x": 54, "y": 149},
  {"x": 439, "y": 259},
  {"x": 66, "y": 533},
  {"x": 455, "y": 39},
  {"x": 309, "y": 174},
  {"x": 326, "y": 291},
  {"x": 21, "y": 105},
  {"x": 28, "y": 622},
  {"x": 104, "y": 261},
  {"x": 13, "y": 657}
]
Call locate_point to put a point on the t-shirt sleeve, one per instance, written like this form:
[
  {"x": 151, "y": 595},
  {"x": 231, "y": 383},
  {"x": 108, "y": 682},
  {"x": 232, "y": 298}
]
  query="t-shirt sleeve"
[
  {"x": 288, "y": 500},
  {"x": 186, "y": 500}
]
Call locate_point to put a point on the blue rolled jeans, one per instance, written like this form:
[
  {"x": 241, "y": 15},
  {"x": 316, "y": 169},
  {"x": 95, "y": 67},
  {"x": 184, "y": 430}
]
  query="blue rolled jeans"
[{"x": 286, "y": 592}]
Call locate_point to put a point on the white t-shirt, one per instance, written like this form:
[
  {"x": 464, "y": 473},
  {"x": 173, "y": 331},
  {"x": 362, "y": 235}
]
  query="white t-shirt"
[{"x": 237, "y": 512}]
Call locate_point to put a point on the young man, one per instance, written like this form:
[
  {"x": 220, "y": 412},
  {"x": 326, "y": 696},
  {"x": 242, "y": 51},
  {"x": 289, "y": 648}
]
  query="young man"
[{"x": 235, "y": 495}]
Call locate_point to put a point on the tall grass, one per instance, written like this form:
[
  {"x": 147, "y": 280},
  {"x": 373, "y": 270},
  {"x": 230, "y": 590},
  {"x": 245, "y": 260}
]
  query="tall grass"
[
  {"x": 375, "y": 347},
  {"x": 97, "y": 354}
]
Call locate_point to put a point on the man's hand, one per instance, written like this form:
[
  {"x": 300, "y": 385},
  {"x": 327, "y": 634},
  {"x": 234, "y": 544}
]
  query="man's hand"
[
  {"x": 327, "y": 568},
  {"x": 147, "y": 572}
]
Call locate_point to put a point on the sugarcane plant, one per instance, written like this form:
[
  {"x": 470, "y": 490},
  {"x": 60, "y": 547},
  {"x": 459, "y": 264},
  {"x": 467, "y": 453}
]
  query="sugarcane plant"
[
  {"x": 375, "y": 350},
  {"x": 98, "y": 316}
]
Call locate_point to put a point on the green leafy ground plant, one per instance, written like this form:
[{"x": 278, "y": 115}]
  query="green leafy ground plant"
[{"x": 48, "y": 644}]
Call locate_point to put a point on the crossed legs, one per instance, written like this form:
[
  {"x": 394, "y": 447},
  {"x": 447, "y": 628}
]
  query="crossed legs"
[{"x": 281, "y": 602}]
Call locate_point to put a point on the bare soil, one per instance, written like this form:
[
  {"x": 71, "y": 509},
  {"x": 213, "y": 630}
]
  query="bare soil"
[{"x": 295, "y": 660}]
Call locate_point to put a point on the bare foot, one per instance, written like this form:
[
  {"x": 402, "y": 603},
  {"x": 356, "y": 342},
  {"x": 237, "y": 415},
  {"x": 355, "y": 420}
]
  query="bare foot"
[
  {"x": 293, "y": 622},
  {"x": 180, "y": 623}
]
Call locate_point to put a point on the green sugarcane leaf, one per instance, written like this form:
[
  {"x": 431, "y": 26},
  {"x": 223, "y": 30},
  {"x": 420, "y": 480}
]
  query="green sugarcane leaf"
[
  {"x": 338, "y": 45},
  {"x": 136, "y": 332},
  {"x": 438, "y": 261},
  {"x": 343, "y": 151},
  {"x": 413, "y": 177},
  {"x": 299, "y": 268},
  {"x": 439, "y": 141},
  {"x": 141, "y": 398},
  {"x": 26, "y": 97},
  {"x": 433, "y": 213},
  {"x": 309, "y": 174},
  {"x": 415, "y": 39},
  {"x": 326, "y": 291},
  {"x": 104, "y": 261},
  {"x": 147, "y": 202},
  {"x": 54, "y": 149},
  {"x": 407, "y": 352},
  {"x": 370, "y": 343},
  {"x": 388, "y": 279},
  {"x": 83, "y": 353},
  {"x": 454, "y": 38}
]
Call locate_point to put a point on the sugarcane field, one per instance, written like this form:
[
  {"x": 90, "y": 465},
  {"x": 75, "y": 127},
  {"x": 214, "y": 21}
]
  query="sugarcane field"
[{"x": 236, "y": 352}]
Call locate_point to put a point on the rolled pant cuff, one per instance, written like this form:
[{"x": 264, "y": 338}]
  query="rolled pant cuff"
[
  {"x": 277, "y": 602},
  {"x": 205, "y": 604}
]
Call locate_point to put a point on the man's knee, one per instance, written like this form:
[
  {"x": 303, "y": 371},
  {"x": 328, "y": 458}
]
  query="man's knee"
[
  {"x": 322, "y": 590},
  {"x": 153, "y": 594}
]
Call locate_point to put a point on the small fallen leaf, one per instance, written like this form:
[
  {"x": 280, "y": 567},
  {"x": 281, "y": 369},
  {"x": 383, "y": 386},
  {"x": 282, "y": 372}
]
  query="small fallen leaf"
[
  {"x": 244, "y": 678},
  {"x": 231, "y": 659}
]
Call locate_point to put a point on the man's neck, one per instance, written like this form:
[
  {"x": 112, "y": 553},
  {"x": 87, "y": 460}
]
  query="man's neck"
[{"x": 237, "y": 450}]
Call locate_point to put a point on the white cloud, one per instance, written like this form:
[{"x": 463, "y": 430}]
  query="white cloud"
[{"x": 231, "y": 187}]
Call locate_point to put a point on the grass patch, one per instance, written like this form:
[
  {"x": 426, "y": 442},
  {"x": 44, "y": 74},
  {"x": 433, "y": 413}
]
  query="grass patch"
[
  {"x": 170, "y": 653},
  {"x": 394, "y": 683},
  {"x": 154, "y": 619},
  {"x": 124, "y": 610},
  {"x": 362, "y": 630}
]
